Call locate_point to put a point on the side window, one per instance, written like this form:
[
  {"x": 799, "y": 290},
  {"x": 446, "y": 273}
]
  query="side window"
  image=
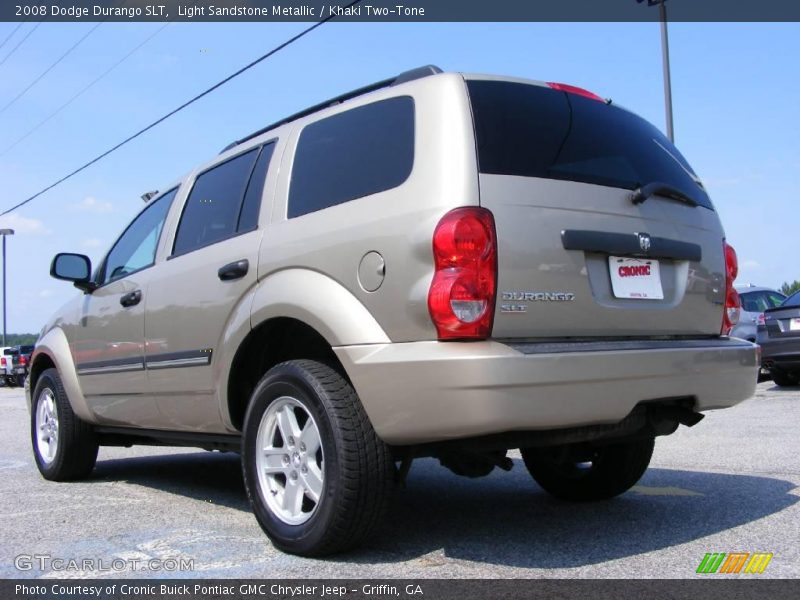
[
  {"x": 353, "y": 154},
  {"x": 212, "y": 210},
  {"x": 248, "y": 217},
  {"x": 136, "y": 247}
]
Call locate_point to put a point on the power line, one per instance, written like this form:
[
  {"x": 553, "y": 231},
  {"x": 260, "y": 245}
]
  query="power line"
[
  {"x": 83, "y": 90},
  {"x": 50, "y": 68},
  {"x": 10, "y": 35},
  {"x": 217, "y": 85},
  {"x": 25, "y": 37}
]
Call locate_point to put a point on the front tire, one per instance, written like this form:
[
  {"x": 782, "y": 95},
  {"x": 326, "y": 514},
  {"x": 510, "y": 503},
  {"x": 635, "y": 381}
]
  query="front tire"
[
  {"x": 64, "y": 447},
  {"x": 316, "y": 473},
  {"x": 589, "y": 474}
]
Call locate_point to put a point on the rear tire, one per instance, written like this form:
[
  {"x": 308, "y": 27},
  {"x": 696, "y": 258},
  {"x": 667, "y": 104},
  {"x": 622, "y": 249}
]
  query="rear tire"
[
  {"x": 785, "y": 378},
  {"x": 64, "y": 447},
  {"x": 316, "y": 473},
  {"x": 597, "y": 473}
]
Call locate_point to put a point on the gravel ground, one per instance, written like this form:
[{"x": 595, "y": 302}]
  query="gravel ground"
[{"x": 729, "y": 484}]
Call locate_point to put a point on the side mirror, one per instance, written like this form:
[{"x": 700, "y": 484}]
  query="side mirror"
[{"x": 76, "y": 268}]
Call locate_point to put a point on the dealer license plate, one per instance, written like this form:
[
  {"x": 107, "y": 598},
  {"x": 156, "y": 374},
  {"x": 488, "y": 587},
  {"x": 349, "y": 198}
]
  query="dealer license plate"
[{"x": 637, "y": 278}]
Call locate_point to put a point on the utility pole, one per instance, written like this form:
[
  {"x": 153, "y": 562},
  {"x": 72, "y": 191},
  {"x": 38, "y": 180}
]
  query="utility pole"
[
  {"x": 5, "y": 233},
  {"x": 665, "y": 64}
]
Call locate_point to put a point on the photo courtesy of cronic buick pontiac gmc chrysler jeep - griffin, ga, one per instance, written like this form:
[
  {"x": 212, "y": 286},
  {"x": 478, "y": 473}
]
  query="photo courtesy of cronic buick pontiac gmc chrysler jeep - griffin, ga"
[{"x": 436, "y": 265}]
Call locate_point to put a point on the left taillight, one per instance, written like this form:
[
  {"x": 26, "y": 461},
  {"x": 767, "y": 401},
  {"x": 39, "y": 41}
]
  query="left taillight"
[
  {"x": 23, "y": 360},
  {"x": 733, "y": 308},
  {"x": 462, "y": 295}
]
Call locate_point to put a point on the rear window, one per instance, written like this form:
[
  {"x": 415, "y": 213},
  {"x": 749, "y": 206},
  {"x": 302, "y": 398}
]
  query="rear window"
[
  {"x": 536, "y": 131},
  {"x": 760, "y": 301},
  {"x": 793, "y": 300},
  {"x": 353, "y": 154}
]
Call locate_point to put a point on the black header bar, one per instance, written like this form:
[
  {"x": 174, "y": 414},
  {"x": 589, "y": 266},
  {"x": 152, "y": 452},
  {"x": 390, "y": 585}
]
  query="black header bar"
[{"x": 399, "y": 10}]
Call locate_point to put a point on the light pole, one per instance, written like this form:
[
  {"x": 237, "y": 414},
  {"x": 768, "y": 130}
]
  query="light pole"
[
  {"x": 665, "y": 63},
  {"x": 5, "y": 233}
]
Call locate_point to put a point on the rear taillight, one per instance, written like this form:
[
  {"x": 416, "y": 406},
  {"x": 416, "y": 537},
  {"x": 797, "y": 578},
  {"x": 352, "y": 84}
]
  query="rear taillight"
[
  {"x": 730, "y": 315},
  {"x": 23, "y": 360},
  {"x": 761, "y": 320},
  {"x": 464, "y": 287},
  {"x": 572, "y": 89},
  {"x": 2, "y": 362}
]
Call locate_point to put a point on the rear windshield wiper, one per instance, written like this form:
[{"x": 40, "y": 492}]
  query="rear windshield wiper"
[{"x": 642, "y": 193}]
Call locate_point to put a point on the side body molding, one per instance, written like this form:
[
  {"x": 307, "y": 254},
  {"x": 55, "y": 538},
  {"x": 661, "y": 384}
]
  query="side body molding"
[
  {"x": 55, "y": 346},
  {"x": 319, "y": 302}
]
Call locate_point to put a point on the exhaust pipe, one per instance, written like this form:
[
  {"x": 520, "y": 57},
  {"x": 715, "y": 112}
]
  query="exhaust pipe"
[{"x": 679, "y": 414}]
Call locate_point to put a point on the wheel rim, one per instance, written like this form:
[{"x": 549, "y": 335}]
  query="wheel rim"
[
  {"x": 46, "y": 426},
  {"x": 290, "y": 462}
]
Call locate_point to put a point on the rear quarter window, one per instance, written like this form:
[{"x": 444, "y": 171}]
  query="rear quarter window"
[{"x": 353, "y": 154}]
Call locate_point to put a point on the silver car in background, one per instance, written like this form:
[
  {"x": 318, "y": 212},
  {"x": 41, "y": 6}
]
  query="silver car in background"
[{"x": 755, "y": 300}]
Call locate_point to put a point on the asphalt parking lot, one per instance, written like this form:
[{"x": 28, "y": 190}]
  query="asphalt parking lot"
[{"x": 729, "y": 484}]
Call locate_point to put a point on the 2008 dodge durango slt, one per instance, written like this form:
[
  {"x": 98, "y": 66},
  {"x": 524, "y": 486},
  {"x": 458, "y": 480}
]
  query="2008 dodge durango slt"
[{"x": 439, "y": 264}]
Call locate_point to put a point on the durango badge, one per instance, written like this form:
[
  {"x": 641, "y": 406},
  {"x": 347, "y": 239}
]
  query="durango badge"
[{"x": 512, "y": 301}]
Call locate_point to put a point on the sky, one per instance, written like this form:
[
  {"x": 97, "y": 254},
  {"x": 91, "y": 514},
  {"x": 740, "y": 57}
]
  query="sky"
[{"x": 736, "y": 98}]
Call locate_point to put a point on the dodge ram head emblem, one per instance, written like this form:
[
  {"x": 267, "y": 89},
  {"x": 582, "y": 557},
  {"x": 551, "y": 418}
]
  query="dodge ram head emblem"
[{"x": 644, "y": 241}]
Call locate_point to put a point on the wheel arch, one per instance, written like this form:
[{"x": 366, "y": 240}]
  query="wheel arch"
[
  {"x": 52, "y": 351},
  {"x": 295, "y": 314}
]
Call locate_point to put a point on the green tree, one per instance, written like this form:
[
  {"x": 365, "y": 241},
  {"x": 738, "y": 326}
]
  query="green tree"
[
  {"x": 20, "y": 339},
  {"x": 790, "y": 288}
]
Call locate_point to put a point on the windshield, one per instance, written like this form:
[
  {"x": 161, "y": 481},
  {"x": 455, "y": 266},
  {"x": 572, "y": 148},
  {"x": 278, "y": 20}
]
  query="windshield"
[{"x": 536, "y": 131}]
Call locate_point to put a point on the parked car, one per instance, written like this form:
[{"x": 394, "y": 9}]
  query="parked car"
[
  {"x": 779, "y": 338},
  {"x": 7, "y": 370},
  {"x": 438, "y": 265},
  {"x": 755, "y": 300},
  {"x": 20, "y": 361},
  {"x": 3, "y": 363}
]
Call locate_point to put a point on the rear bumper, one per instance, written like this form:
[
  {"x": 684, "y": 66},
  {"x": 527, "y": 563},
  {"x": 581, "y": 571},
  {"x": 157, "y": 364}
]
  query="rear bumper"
[
  {"x": 434, "y": 391},
  {"x": 781, "y": 353}
]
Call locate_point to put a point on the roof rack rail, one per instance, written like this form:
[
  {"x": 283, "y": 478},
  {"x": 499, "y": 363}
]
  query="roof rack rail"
[{"x": 404, "y": 77}]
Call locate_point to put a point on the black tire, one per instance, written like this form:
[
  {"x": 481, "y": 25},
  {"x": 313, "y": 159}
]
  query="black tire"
[
  {"x": 785, "y": 378},
  {"x": 357, "y": 468},
  {"x": 597, "y": 473},
  {"x": 76, "y": 446},
  {"x": 21, "y": 380}
]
